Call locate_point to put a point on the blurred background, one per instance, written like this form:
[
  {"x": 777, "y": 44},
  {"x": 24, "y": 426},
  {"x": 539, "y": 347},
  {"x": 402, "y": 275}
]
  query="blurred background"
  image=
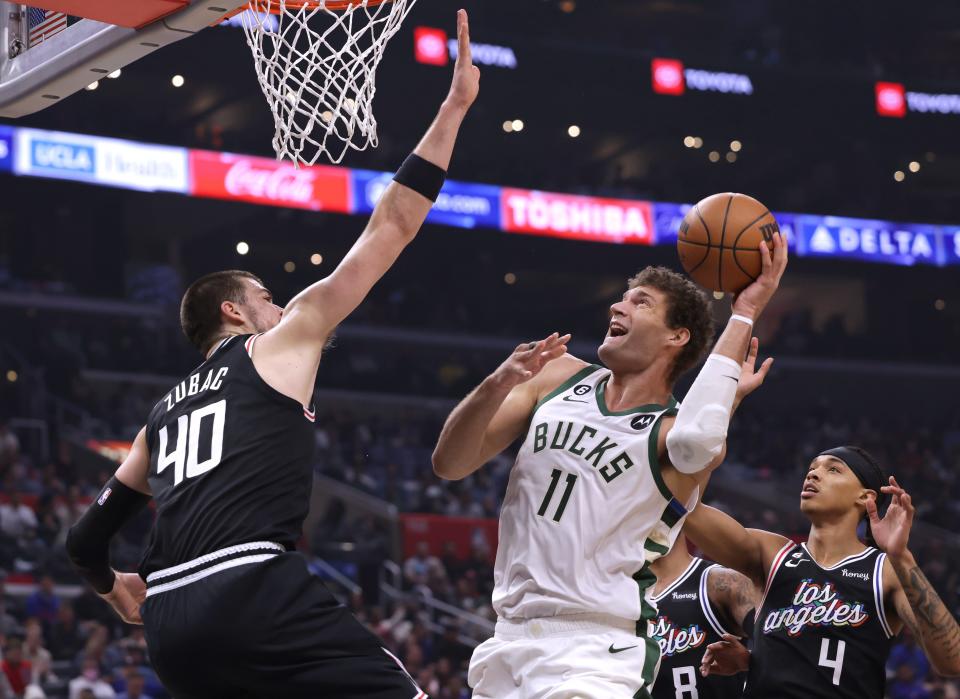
[{"x": 842, "y": 118}]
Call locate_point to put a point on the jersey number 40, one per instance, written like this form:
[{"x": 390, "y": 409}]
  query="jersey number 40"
[{"x": 185, "y": 455}]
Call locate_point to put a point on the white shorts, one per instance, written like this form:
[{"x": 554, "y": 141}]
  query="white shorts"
[{"x": 573, "y": 657}]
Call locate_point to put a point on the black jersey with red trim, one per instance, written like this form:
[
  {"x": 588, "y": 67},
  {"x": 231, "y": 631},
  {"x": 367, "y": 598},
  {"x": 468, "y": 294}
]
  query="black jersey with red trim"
[
  {"x": 230, "y": 461},
  {"x": 686, "y": 623},
  {"x": 821, "y": 632}
]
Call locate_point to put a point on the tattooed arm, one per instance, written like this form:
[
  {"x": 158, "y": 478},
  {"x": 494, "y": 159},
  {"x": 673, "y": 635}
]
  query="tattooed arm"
[
  {"x": 916, "y": 603},
  {"x": 733, "y": 596}
]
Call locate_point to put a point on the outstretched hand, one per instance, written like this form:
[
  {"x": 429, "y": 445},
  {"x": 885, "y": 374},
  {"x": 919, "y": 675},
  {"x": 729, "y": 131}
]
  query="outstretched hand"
[
  {"x": 892, "y": 531},
  {"x": 726, "y": 657},
  {"x": 466, "y": 76},
  {"x": 529, "y": 359},
  {"x": 752, "y": 378},
  {"x": 751, "y": 301}
]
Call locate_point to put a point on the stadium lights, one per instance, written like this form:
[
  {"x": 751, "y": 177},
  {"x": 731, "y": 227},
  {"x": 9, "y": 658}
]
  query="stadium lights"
[
  {"x": 508, "y": 126},
  {"x": 94, "y": 85},
  {"x": 177, "y": 81},
  {"x": 914, "y": 166},
  {"x": 735, "y": 146},
  {"x": 714, "y": 156},
  {"x": 289, "y": 266},
  {"x": 12, "y": 376},
  {"x": 242, "y": 248},
  {"x": 510, "y": 278},
  {"x": 697, "y": 142},
  {"x": 573, "y": 131},
  {"x": 899, "y": 176},
  {"x": 316, "y": 258},
  {"x": 688, "y": 141},
  {"x": 939, "y": 304},
  {"x": 115, "y": 74},
  {"x": 731, "y": 157},
  {"x": 518, "y": 125},
  {"x": 568, "y": 6}
]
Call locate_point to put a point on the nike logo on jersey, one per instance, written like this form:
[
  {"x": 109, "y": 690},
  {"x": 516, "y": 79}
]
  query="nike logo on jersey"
[
  {"x": 619, "y": 650},
  {"x": 574, "y": 400}
]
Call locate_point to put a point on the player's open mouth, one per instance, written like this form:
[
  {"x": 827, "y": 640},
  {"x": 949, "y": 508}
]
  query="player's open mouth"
[
  {"x": 809, "y": 490},
  {"x": 617, "y": 330}
]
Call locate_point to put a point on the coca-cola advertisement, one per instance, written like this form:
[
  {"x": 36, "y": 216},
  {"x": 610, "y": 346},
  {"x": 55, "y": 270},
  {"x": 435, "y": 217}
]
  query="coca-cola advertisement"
[{"x": 265, "y": 181}]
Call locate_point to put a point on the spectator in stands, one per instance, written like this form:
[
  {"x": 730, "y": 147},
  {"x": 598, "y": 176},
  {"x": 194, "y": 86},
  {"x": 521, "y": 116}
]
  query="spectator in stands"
[
  {"x": 135, "y": 687},
  {"x": 9, "y": 445},
  {"x": 39, "y": 657},
  {"x": 8, "y": 622},
  {"x": 65, "y": 638},
  {"x": 906, "y": 685},
  {"x": 16, "y": 517},
  {"x": 423, "y": 568},
  {"x": 15, "y": 668},
  {"x": 44, "y": 604},
  {"x": 90, "y": 679}
]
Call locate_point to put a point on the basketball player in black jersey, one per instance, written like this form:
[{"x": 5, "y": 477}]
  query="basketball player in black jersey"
[
  {"x": 831, "y": 606},
  {"x": 698, "y": 603},
  {"x": 228, "y": 609}
]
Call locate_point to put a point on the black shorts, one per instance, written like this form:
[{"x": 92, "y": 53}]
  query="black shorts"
[{"x": 265, "y": 629}]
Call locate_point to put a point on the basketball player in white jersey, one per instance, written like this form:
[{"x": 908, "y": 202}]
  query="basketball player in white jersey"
[{"x": 608, "y": 467}]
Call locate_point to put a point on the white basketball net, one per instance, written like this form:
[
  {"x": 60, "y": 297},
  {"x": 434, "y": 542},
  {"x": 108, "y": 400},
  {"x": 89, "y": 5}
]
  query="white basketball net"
[{"x": 317, "y": 68}]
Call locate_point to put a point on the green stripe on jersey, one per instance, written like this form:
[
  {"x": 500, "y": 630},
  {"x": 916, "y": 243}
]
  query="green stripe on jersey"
[
  {"x": 655, "y": 547},
  {"x": 653, "y": 454},
  {"x": 650, "y": 661},
  {"x": 569, "y": 383},
  {"x": 649, "y": 408}
]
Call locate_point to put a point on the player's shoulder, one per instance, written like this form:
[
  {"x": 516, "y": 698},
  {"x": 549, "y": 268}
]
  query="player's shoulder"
[{"x": 562, "y": 371}]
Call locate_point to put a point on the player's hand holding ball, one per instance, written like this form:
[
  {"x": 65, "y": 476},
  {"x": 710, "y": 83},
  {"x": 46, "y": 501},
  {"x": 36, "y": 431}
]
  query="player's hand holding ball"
[
  {"x": 466, "y": 76},
  {"x": 528, "y": 360},
  {"x": 732, "y": 243}
]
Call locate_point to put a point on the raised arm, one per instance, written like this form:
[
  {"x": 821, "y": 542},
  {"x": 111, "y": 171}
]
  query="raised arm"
[
  {"x": 696, "y": 440},
  {"x": 495, "y": 413},
  {"x": 88, "y": 541},
  {"x": 311, "y": 316},
  {"x": 916, "y": 603},
  {"x": 726, "y": 541}
]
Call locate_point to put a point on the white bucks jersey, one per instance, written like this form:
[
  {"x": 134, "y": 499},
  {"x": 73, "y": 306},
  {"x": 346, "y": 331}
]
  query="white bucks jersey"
[{"x": 586, "y": 510}]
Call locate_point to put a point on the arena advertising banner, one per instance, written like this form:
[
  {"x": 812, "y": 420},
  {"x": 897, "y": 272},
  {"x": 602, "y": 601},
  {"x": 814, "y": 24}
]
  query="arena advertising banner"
[
  {"x": 670, "y": 76},
  {"x": 460, "y": 204},
  {"x": 873, "y": 241},
  {"x": 895, "y": 100},
  {"x": 105, "y": 161},
  {"x": 438, "y": 531},
  {"x": 667, "y": 218},
  {"x": 268, "y": 182},
  {"x": 951, "y": 245},
  {"x": 6, "y": 149},
  {"x": 577, "y": 217}
]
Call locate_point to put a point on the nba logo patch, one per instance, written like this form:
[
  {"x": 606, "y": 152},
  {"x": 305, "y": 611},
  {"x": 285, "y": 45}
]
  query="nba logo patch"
[{"x": 103, "y": 496}]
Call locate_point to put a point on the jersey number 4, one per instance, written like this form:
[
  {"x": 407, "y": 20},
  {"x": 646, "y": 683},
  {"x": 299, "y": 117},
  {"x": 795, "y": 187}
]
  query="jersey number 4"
[
  {"x": 835, "y": 664},
  {"x": 185, "y": 455},
  {"x": 554, "y": 480}
]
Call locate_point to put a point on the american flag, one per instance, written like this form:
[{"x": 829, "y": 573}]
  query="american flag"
[{"x": 44, "y": 24}]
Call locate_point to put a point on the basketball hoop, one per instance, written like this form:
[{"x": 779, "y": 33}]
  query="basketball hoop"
[{"x": 317, "y": 65}]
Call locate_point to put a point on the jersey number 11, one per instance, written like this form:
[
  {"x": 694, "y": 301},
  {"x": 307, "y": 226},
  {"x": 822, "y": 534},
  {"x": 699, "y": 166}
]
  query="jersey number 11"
[{"x": 554, "y": 480}]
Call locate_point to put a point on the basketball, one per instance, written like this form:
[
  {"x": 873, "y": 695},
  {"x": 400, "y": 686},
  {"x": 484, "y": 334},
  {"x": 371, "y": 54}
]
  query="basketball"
[{"x": 718, "y": 241}]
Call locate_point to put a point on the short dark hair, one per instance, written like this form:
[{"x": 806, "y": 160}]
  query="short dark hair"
[
  {"x": 200, "y": 307},
  {"x": 688, "y": 308}
]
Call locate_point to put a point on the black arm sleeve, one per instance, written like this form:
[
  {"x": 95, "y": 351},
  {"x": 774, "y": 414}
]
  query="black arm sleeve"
[
  {"x": 748, "y": 621},
  {"x": 88, "y": 541}
]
